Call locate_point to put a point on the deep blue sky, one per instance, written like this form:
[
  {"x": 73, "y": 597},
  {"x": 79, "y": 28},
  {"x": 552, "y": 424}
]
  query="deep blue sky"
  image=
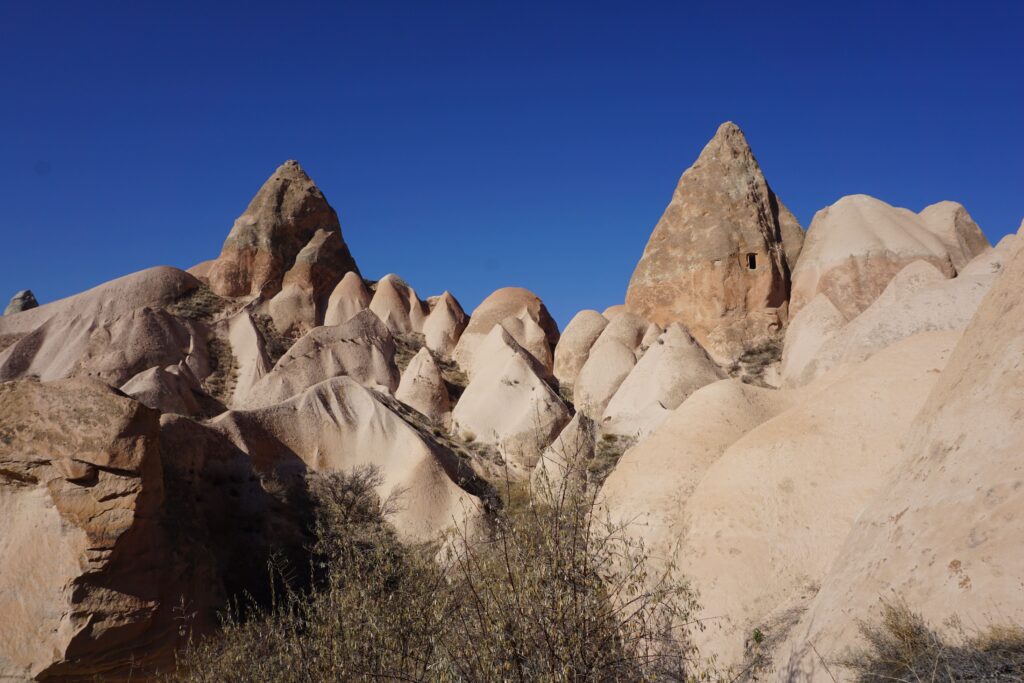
[{"x": 473, "y": 145}]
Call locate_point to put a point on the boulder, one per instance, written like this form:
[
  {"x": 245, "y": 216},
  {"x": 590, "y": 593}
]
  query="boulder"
[
  {"x": 22, "y": 301},
  {"x": 347, "y": 299},
  {"x": 720, "y": 258},
  {"x": 423, "y": 389},
  {"x": 854, "y": 247},
  {"x": 507, "y": 404},
  {"x": 944, "y": 532},
  {"x": 672, "y": 369},
  {"x": 82, "y": 550},
  {"x": 164, "y": 389},
  {"x": 281, "y": 221},
  {"x": 612, "y": 311},
  {"x": 810, "y": 328},
  {"x": 444, "y": 326},
  {"x": 628, "y": 329},
  {"x": 506, "y": 303},
  {"x": 574, "y": 345},
  {"x": 951, "y": 223},
  {"x": 397, "y": 305},
  {"x": 362, "y": 349},
  {"x": 338, "y": 425},
  {"x": 608, "y": 364}
]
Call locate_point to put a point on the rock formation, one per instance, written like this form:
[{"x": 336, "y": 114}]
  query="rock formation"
[
  {"x": 566, "y": 459},
  {"x": 282, "y": 220},
  {"x": 444, "y": 326},
  {"x": 83, "y": 548},
  {"x": 575, "y": 343},
  {"x": 507, "y": 405},
  {"x": 504, "y": 305},
  {"x": 398, "y": 306},
  {"x": 951, "y": 223},
  {"x": 22, "y": 301},
  {"x": 944, "y": 534},
  {"x": 854, "y": 247},
  {"x": 362, "y": 349},
  {"x": 348, "y": 298},
  {"x": 720, "y": 258},
  {"x": 422, "y": 388},
  {"x": 673, "y": 368}
]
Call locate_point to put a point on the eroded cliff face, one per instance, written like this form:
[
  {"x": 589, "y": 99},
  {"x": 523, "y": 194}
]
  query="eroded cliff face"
[{"x": 720, "y": 258}]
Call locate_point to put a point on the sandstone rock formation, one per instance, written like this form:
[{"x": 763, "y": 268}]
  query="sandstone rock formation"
[
  {"x": 507, "y": 404},
  {"x": 111, "y": 332},
  {"x": 501, "y": 306},
  {"x": 348, "y": 298},
  {"x": 248, "y": 349},
  {"x": 21, "y": 301},
  {"x": 281, "y": 221},
  {"x": 422, "y": 388},
  {"x": 951, "y": 223},
  {"x": 720, "y": 258},
  {"x": 608, "y": 364},
  {"x": 398, "y": 306},
  {"x": 444, "y": 325},
  {"x": 808, "y": 330},
  {"x": 854, "y": 247},
  {"x": 944, "y": 533},
  {"x": 782, "y": 496},
  {"x": 164, "y": 389},
  {"x": 575, "y": 343},
  {"x": 673, "y": 368},
  {"x": 82, "y": 544},
  {"x": 338, "y": 425},
  {"x": 362, "y": 349},
  {"x": 303, "y": 300}
]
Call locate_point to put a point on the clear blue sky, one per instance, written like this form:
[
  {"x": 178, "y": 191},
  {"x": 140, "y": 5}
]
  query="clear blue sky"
[{"x": 473, "y": 145}]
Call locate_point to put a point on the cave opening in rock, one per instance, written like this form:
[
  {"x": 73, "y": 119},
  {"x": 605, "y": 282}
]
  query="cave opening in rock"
[{"x": 752, "y": 261}]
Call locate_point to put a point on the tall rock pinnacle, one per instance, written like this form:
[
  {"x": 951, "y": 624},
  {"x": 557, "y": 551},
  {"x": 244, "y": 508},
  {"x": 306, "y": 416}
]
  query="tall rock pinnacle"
[
  {"x": 282, "y": 219},
  {"x": 719, "y": 259}
]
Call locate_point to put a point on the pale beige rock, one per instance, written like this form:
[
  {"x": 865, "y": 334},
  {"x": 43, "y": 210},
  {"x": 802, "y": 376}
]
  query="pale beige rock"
[
  {"x": 944, "y": 533},
  {"x": 281, "y": 221},
  {"x": 917, "y": 299},
  {"x": 338, "y": 425},
  {"x": 509, "y": 302},
  {"x": 347, "y": 299},
  {"x": 165, "y": 389},
  {"x": 82, "y": 550},
  {"x": 628, "y": 329},
  {"x": 808, "y": 330},
  {"x": 782, "y": 497},
  {"x": 397, "y": 305},
  {"x": 651, "y": 335},
  {"x": 307, "y": 286},
  {"x": 574, "y": 344},
  {"x": 529, "y": 335},
  {"x": 854, "y": 247},
  {"x": 444, "y": 326},
  {"x": 672, "y": 369},
  {"x": 362, "y": 349},
  {"x": 954, "y": 226},
  {"x": 609, "y": 363},
  {"x": 507, "y": 404},
  {"x": 201, "y": 270},
  {"x": 612, "y": 311},
  {"x": 565, "y": 460},
  {"x": 250, "y": 355},
  {"x": 422, "y": 388},
  {"x": 720, "y": 257},
  {"x": 24, "y": 300}
]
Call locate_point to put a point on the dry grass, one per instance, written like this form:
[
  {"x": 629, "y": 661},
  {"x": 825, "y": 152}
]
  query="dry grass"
[
  {"x": 406, "y": 347},
  {"x": 901, "y": 646},
  {"x": 275, "y": 343},
  {"x": 754, "y": 363},
  {"x": 223, "y": 369},
  {"x": 609, "y": 449},
  {"x": 200, "y": 304},
  {"x": 552, "y": 594}
]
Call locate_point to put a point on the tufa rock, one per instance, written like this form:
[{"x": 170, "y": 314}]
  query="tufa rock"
[
  {"x": 22, "y": 301},
  {"x": 720, "y": 258},
  {"x": 283, "y": 218},
  {"x": 575, "y": 343},
  {"x": 503, "y": 304},
  {"x": 349, "y": 297},
  {"x": 444, "y": 326},
  {"x": 422, "y": 388}
]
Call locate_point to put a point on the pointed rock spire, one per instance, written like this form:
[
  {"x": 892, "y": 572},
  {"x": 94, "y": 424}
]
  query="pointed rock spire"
[
  {"x": 282, "y": 219},
  {"x": 720, "y": 257}
]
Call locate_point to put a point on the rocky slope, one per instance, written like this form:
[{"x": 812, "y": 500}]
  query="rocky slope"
[{"x": 801, "y": 424}]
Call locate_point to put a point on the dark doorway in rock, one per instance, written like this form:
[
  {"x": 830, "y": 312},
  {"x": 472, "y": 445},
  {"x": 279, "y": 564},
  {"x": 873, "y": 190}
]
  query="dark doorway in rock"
[{"x": 752, "y": 261}]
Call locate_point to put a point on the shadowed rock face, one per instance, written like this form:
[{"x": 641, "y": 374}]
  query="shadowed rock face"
[
  {"x": 22, "y": 301},
  {"x": 720, "y": 258},
  {"x": 282, "y": 220},
  {"x": 83, "y": 554}
]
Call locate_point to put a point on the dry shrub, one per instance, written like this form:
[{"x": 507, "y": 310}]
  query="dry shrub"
[
  {"x": 552, "y": 593},
  {"x": 902, "y": 647}
]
